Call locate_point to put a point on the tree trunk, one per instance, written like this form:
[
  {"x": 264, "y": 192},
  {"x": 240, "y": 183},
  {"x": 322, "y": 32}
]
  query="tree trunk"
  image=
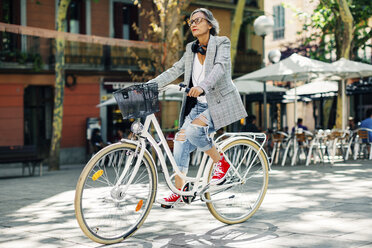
[
  {"x": 58, "y": 88},
  {"x": 347, "y": 32},
  {"x": 235, "y": 31},
  {"x": 347, "y": 37},
  {"x": 338, "y": 38}
]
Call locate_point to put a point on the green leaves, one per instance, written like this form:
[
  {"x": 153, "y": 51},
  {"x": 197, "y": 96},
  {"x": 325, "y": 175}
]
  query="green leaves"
[{"x": 325, "y": 24}]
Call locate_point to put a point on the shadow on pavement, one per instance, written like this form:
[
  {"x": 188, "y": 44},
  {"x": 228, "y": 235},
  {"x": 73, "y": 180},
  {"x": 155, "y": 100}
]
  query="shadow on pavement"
[{"x": 315, "y": 206}]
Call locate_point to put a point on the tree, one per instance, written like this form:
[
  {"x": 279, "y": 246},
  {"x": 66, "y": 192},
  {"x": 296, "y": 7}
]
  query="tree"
[
  {"x": 235, "y": 31},
  {"x": 166, "y": 20},
  {"x": 347, "y": 37},
  {"x": 337, "y": 25},
  {"x": 326, "y": 25},
  {"x": 347, "y": 29},
  {"x": 58, "y": 88}
]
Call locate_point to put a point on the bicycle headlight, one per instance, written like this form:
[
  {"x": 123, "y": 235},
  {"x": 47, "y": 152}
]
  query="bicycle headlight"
[{"x": 136, "y": 127}]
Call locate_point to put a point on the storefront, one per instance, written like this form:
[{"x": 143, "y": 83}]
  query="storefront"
[
  {"x": 360, "y": 93},
  {"x": 112, "y": 120},
  {"x": 113, "y": 124}
]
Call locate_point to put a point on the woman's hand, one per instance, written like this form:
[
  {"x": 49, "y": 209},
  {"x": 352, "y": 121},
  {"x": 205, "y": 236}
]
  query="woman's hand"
[{"x": 195, "y": 91}]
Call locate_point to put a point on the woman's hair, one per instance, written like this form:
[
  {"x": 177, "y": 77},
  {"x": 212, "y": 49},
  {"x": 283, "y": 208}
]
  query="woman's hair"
[{"x": 210, "y": 18}]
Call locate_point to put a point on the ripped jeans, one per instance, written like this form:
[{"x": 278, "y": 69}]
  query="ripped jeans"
[{"x": 192, "y": 136}]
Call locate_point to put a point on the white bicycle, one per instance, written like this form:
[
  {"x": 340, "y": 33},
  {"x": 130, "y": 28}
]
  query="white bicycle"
[{"x": 118, "y": 185}]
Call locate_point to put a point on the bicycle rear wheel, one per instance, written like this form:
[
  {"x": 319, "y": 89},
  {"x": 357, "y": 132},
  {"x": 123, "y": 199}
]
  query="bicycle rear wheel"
[
  {"x": 239, "y": 202},
  {"x": 108, "y": 211}
]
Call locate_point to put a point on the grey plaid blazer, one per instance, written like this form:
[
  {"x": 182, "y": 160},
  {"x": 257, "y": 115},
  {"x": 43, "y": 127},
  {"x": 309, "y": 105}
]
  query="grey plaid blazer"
[{"x": 223, "y": 99}]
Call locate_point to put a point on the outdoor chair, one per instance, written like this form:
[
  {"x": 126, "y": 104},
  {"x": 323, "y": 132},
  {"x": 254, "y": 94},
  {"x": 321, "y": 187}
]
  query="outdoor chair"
[
  {"x": 301, "y": 146},
  {"x": 280, "y": 142},
  {"x": 316, "y": 148},
  {"x": 196, "y": 157},
  {"x": 338, "y": 144},
  {"x": 288, "y": 150},
  {"x": 362, "y": 144},
  {"x": 350, "y": 144},
  {"x": 347, "y": 143}
]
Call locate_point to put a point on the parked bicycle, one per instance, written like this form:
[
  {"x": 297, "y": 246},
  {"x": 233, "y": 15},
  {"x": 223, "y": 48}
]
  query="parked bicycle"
[{"x": 118, "y": 186}]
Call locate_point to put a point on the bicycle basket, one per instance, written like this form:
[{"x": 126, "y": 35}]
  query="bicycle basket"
[{"x": 139, "y": 100}]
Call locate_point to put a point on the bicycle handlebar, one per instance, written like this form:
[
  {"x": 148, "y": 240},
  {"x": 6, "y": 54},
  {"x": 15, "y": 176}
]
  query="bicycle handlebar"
[{"x": 180, "y": 87}]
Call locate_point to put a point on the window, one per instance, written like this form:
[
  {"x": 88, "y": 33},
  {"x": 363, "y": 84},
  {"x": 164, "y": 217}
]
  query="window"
[
  {"x": 10, "y": 13},
  {"x": 76, "y": 17},
  {"x": 124, "y": 17},
  {"x": 279, "y": 22}
]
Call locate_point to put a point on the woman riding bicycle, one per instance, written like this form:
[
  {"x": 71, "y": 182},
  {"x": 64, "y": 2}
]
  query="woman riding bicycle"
[{"x": 212, "y": 102}]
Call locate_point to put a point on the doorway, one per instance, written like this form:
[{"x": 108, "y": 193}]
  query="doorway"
[{"x": 38, "y": 117}]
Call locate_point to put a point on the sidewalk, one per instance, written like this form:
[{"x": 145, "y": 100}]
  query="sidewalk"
[{"x": 316, "y": 206}]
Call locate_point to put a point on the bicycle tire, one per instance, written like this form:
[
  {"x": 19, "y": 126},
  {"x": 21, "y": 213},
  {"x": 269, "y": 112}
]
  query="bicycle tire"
[
  {"x": 108, "y": 214},
  {"x": 248, "y": 195}
]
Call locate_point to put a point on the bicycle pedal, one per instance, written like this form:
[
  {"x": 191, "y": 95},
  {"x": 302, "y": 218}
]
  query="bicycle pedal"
[
  {"x": 166, "y": 206},
  {"x": 174, "y": 205},
  {"x": 188, "y": 199}
]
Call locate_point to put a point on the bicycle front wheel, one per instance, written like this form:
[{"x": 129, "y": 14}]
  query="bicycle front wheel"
[
  {"x": 248, "y": 178},
  {"x": 113, "y": 196}
]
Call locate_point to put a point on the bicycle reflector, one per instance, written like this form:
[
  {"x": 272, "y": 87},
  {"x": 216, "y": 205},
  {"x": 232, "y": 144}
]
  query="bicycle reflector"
[
  {"x": 136, "y": 127},
  {"x": 139, "y": 205},
  {"x": 97, "y": 175}
]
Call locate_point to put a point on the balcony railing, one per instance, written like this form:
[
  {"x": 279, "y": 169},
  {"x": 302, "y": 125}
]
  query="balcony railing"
[
  {"x": 21, "y": 52},
  {"x": 246, "y": 62},
  {"x": 38, "y": 54},
  {"x": 80, "y": 56},
  {"x": 31, "y": 53}
]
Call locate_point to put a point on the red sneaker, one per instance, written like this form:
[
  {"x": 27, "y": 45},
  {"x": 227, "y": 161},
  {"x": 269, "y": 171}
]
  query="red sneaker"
[
  {"x": 220, "y": 170},
  {"x": 170, "y": 200}
]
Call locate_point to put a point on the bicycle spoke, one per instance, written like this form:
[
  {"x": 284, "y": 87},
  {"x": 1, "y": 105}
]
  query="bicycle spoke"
[
  {"x": 248, "y": 181},
  {"x": 111, "y": 209}
]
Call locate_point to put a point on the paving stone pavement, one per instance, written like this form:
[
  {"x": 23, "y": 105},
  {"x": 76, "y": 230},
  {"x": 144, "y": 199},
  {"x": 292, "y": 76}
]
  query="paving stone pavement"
[{"x": 315, "y": 206}]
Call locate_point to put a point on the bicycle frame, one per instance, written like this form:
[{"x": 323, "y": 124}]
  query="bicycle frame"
[
  {"x": 201, "y": 184},
  {"x": 201, "y": 179}
]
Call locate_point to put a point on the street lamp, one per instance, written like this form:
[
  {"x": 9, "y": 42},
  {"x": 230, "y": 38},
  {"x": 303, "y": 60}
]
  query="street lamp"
[
  {"x": 274, "y": 56},
  {"x": 263, "y": 25}
]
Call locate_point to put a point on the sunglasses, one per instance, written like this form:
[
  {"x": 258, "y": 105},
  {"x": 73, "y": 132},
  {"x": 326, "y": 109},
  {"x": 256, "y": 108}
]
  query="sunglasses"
[{"x": 196, "y": 21}]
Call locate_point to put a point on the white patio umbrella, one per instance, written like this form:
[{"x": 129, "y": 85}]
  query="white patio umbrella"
[
  {"x": 313, "y": 88},
  {"x": 349, "y": 69},
  {"x": 247, "y": 87},
  {"x": 294, "y": 68}
]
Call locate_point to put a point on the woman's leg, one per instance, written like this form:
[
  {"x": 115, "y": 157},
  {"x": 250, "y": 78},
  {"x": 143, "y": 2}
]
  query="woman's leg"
[
  {"x": 182, "y": 145},
  {"x": 197, "y": 134},
  {"x": 213, "y": 153},
  {"x": 181, "y": 151}
]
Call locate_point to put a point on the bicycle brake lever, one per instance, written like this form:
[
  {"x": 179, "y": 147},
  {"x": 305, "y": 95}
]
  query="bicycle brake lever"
[{"x": 188, "y": 89}]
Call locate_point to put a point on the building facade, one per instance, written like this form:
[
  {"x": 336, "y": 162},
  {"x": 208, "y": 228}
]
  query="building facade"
[
  {"x": 93, "y": 71},
  {"x": 319, "y": 113}
]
